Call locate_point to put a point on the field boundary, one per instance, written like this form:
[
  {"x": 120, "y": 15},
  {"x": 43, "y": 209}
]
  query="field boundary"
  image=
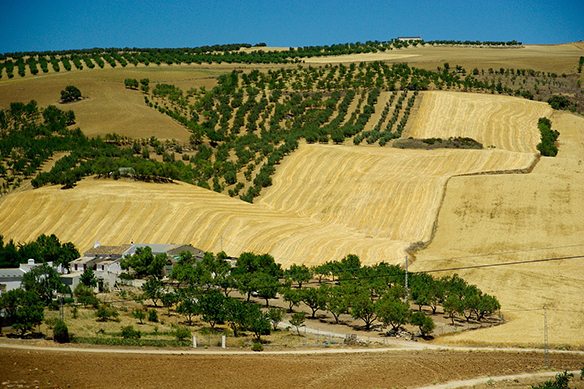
[{"x": 421, "y": 245}]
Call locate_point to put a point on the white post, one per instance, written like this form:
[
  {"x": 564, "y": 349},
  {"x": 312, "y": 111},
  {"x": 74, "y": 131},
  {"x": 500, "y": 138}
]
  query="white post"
[
  {"x": 223, "y": 341},
  {"x": 194, "y": 341}
]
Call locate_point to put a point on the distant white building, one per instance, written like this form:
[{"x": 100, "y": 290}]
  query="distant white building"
[
  {"x": 12, "y": 278},
  {"x": 409, "y": 38},
  {"x": 105, "y": 260}
]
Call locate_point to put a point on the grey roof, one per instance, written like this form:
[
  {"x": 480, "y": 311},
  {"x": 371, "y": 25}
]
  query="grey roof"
[
  {"x": 83, "y": 260},
  {"x": 158, "y": 248},
  {"x": 108, "y": 250},
  {"x": 11, "y": 273}
]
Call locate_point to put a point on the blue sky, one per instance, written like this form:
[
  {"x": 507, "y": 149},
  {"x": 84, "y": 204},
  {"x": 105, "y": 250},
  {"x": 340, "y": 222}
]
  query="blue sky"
[{"x": 27, "y": 25}]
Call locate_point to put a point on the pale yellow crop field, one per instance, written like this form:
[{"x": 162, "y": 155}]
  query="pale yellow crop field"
[{"x": 508, "y": 123}]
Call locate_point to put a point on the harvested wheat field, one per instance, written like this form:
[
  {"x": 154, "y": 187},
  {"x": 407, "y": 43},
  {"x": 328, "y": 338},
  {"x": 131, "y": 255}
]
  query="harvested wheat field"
[
  {"x": 381, "y": 192},
  {"x": 507, "y": 123},
  {"x": 376, "y": 222},
  {"x": 507, "y": 218}
]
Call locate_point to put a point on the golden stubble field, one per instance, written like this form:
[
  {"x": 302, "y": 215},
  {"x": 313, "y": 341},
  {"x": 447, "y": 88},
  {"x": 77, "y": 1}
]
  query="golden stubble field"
[
  {"x": 320, "y": 206},
  {"x": 508, "y": 218}
]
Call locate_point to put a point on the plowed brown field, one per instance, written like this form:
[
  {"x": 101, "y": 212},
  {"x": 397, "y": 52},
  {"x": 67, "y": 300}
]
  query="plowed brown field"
[{"x": 30, "y": 369}]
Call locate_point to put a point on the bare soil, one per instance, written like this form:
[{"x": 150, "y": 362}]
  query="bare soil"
[{"x": 60, "y": 369}]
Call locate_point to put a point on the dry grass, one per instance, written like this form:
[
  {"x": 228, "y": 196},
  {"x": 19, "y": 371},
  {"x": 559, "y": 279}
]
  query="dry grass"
[{"x": 109, "y": 106}]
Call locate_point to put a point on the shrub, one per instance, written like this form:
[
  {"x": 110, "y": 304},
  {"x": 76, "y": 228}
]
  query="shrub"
[
  {"x": 128, "y": 332},
  {"x": 105, "y": 313},
  {"x": 153, "y": 316},
  {"x": 182, "y": 333},
  {"x": 559, "y": 102},
  {"x": 61, "y": 332},
  {"x": 257, "y": 347}
]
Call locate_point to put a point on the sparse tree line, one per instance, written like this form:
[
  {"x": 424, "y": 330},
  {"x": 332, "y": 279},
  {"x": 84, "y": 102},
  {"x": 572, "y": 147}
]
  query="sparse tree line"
[
  {"x": 206, "y": 54},
  {"x": 44, "y": 248},
  {"x": 203, "y": 288},
  {"x": 373, "y": 294}
]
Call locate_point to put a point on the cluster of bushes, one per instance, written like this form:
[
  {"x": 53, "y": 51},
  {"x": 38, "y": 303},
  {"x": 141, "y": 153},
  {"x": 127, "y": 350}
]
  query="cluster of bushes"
[
  {"x": 438, "y": 143},
  {"x": 547, "y": 145}
]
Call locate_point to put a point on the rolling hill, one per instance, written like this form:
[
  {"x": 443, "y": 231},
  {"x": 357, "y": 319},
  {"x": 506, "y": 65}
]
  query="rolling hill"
[{"x": 330, "y": 200}]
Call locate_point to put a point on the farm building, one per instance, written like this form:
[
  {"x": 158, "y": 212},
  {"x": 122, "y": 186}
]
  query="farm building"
[
  {"x": 12, "y": 278},
  {"x": 409, "y": 38},
  {"x": 105, "y": 260}
]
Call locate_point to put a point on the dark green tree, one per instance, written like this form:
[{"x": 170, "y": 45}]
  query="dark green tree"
[
  {"x": 259, "y": 322},
  {"x": 71, "y": 93},
  {"x": 337, "y": 301},
  {"x": 168, "y": 300},
  {"x": 424, "y": 323},
  {"x": 393, "y": 311},
  {"x": 315, "y": 298},
  {"x": 363, "y": 307},
  {"x": 24, "y": 308},
  {"x": 61, "y": 332},
  {"x": 45, "y": 282},
  {"x": 276, "y": 315},
  {"x": 88, "y": 278},
  {"x": 144, "y": 263},
  {"x": 153, "y": 289},
  {"x": 131, "y": 83},
  {"x": 212, "y": 307},
  {"x": 297, "y": 319},
  {"x": 299, "y": 274}
]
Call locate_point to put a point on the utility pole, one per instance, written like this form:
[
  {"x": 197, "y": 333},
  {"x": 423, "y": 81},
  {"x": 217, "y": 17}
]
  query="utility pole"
[
  {"x": 545, "y": 338},
  {"x": 407, "y": 290},
  {"x": 61, "y": 307}
]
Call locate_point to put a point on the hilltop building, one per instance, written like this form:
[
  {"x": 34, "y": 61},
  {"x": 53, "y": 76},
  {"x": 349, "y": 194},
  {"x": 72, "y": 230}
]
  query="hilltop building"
[{"x": 409, "y": 38}]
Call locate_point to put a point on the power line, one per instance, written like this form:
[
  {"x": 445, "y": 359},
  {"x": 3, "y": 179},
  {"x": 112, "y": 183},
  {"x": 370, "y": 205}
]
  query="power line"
[
  {"x": 503, "y": 264},
  {"x": 502, "y": 253}
]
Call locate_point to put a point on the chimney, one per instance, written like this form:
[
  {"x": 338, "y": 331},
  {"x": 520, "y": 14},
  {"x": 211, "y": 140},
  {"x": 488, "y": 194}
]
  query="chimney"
[{"x": 96, "y": 245}]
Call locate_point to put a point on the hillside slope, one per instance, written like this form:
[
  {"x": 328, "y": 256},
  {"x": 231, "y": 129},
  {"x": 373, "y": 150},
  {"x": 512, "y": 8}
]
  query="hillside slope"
[
  {"x": 506, "y": 218},
  {"x": 114, "y": 211}
]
